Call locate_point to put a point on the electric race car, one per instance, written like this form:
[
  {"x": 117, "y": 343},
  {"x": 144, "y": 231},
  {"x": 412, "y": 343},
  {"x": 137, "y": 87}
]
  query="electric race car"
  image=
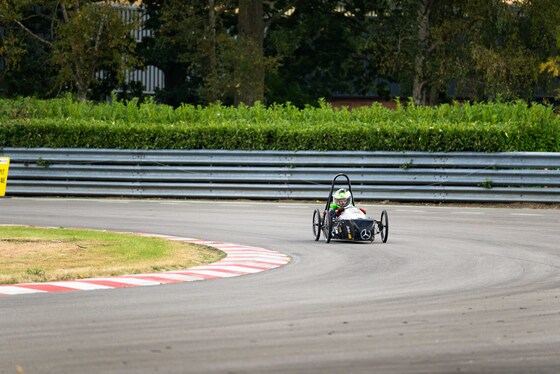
[{"x": 342, "y": 220}]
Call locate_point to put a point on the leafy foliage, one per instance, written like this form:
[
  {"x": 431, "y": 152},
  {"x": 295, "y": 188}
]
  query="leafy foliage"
[
  {"x": 64, "y": 123},
  {"x": 192, "y": 45},
  {"x": 92, "y": 37},
  {"x": 72, "y": 40},
  {"x": 432, "y": 50}
]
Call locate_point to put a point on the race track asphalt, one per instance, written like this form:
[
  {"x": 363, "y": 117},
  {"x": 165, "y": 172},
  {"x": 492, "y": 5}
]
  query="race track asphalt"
[{"x": 453, "y": 290}]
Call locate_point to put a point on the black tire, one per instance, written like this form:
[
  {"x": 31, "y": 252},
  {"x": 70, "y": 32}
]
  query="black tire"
[
  {"x": 384, "y": 226},
  {"x": 317, "y": 225},
  {"x": 327, "y": 226}
]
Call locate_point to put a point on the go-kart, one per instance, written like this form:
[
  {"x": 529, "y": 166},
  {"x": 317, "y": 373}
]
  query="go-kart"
[{"x": 351, "y": 224}]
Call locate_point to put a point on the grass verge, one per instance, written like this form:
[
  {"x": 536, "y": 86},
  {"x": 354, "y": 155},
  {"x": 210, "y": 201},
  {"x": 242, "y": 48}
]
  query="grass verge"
[{"x": 32, "y": 254}]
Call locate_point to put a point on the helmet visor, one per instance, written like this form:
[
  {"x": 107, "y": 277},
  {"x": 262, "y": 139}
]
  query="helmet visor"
[{"x": 341, "y": 202}]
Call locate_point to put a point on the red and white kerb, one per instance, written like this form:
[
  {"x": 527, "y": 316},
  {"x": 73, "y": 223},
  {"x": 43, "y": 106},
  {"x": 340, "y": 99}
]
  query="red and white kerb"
[{"x": 240, "y": 260}]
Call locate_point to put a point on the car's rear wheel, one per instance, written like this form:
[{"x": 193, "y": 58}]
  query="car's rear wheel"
[
  {"x": 327, "y": 226},
  {"x": 317, "y": 227}
]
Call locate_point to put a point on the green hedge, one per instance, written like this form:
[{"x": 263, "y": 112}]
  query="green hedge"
[{"x": 64, "y": 123}]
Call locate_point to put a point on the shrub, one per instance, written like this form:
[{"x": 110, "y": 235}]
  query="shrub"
[{"x": 64, "y": 123}]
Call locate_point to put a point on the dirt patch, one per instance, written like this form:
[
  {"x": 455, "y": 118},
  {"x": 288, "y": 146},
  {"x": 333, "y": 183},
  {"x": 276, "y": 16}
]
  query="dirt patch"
[{"x": 18, "y": 247}]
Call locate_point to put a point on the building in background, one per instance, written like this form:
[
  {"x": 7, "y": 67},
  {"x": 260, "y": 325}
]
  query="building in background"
[{"x": 151, "y": 78}]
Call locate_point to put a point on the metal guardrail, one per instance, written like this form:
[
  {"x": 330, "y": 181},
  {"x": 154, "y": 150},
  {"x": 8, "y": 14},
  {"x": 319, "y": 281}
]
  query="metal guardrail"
[{"x": 395, "y": 176}]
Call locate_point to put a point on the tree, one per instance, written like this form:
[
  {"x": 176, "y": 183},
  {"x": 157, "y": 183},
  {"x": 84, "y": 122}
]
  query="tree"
[
  {"x": 250, "y": 66},
  {"x": 485, "y": 48},
  {"x": 415, "y": 48},
  {"x": 192, "y": 43},
  {"x": 544, "y": 16},
  {"x": 83, "y": 38},
  {"x": 321, "y": 50},
  {"x": 26, "y": 70},
  {"x": 504, "y": 48},
  {"x": 256, "y": 18},
  {"x": 211, "y": 50},
  {"x": 421, "y": 84}
]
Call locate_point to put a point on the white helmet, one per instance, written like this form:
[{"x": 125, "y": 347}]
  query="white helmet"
[{"x": 342, "y": 197}]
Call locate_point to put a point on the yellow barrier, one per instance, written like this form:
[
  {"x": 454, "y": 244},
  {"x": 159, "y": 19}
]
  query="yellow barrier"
[{"x": 4, "y": 166}]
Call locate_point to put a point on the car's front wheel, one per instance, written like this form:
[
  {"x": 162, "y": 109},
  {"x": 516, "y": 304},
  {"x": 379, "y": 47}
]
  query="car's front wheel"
[{"x": 384, "y": 226}]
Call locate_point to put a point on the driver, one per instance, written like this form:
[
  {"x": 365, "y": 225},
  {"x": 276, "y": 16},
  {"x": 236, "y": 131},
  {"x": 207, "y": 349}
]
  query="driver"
[{"x": 342, "y": 199}]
